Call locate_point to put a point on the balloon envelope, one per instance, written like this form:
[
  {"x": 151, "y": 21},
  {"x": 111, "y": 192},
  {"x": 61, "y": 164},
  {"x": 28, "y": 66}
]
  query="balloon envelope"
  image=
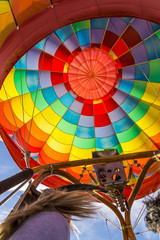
[{"x": 88, "y": 86}]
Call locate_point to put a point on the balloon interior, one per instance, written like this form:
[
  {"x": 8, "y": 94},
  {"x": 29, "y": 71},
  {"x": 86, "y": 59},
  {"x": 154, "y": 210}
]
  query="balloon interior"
[{"x": 88, "y": 86}]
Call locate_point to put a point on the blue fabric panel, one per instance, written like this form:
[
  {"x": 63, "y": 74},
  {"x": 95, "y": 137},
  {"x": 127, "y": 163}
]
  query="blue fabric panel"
[
  {"x": 85, "y": 132},
  {"x": 49, "y": 95},
  {"x": 129, "y": 104},
  {"x": 32, "y": 80},
  {"x": 126, "y": 85},
  {"x": 99, "y": 23},
  {"x": 123, "y": 124},
  {"x": 67, "y": 100},
  {"x": 106, "y": 142},
  {"x": 142, "y": 72},
  {"x": 83, "y": 37},
  {"x": 71, "y": 117},
  {"x": 64, "y": 32},
  {"x": 152, "y": 45}
]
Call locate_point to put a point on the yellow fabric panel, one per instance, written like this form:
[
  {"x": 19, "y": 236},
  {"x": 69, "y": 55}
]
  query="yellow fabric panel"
[
  {"x": 97, "y": 101},
  {"x": 66, "y": 65},
  {"x": 154, "y": 128},
  {"x": 28, "y": 105},
  {"x": 57, "y": 146},
  {"x": 43, "y": 124},
  {"x": 9, "y": 87},
  {"x": 4, "y": 7},
  {"x": 150, "y": 94},
  {"x": 113, "y": 54},
  {"x": 148, "y": 119},
  {"x": 50, "y": 116},
  {"x": 72, "y": 158},
  {"x": 7, "y": 24},
  {"x": 137, "y": 144},
  {"x": 19, "y": 110},
  {"x": 3, "y": 96},
  {"x": 82, "y": 153},
  {"x": 62, "y": 136}
]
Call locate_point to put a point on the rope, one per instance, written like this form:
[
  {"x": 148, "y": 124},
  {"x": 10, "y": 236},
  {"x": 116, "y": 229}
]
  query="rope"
[
  {"x": 35, "y": 97},
  {"x": 16, "y": 207},
  {"x": 108, "y": 230},
  {"x": 139, "y": 216},
  {"x": 107, "y": 219}
]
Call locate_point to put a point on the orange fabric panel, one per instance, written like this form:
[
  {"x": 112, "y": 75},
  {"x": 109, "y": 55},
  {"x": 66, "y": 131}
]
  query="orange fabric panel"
[
  {"x": 150, "y": 185},
  {"x": 36, "y": 131},
  {"x": 27, "y": 8},
  {"x": 7, "y": 24},
  {"x": 76, "y": 173},
  {"x": 54, "y": 156},
  {"x": 5, "y": 110}
]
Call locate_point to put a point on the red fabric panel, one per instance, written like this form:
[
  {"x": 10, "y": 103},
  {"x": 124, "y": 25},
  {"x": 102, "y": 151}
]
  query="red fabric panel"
[
  {"x": 99, "y": 109},
  {"x": 150, "y": 185},
  {"x": 79, "y": 99},
  {"x": 57, "y": 65},
  {"x": 87, "y": 109},
  {"x": 95, "y": 45},
  {"x": 45, "y": 62},
  {"x": 14, "y": 151},
  {"x": 56, "y": 78},
  {"x": 102, "y": 120},
  {"x": 110, "y": 105},
  {"x": 126, "y": 60},
  {"x": 109, "y": 39},
  {"x": 131, "y": 37},
  {"x": 62, "y": 53},
  {"x": 120, "y": 47},
  {"x": 55, "y": 182},
  {"x": 68, "y": 87}
]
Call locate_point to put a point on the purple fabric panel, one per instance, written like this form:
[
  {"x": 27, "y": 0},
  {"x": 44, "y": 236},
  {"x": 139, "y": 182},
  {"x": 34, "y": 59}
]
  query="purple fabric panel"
[
  {"x": 117, "y": 26},
  {"x": 128, "y": 72},
  {"x": 52, "y": 44},
  {"x": 43, "y": 226},
  {"x": 71, "y": 43},
  {"x": 143, "y": 27},
  {"x": 139, "y": 53},
  {"x": 33, "y": 59},
  {"x": 45, "y": 79},
  {"x": 97, "y": 35}
]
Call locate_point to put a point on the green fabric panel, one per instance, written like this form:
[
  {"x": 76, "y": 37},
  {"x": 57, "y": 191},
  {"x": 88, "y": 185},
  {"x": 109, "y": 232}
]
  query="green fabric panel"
[
  {"x": 129, "y": 134},
  {"x": 20, "y": 81},
  {"x": 84, "y": 143},
  {"x": 138, "y": 89},
  {"x": 154, "y": 71},
  {"x": 67, "y": 127},
  {"x": 59, "y": 108},
  {"x": 81, "y": 25},
  {"x": 39, "y": 100},
  {"x": 158, "y": 34},
  {"x": 139, "y": 111}
]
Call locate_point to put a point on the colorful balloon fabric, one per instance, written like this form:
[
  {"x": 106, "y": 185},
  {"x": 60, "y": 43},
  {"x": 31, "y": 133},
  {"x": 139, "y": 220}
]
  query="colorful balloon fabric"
[{"x": 86, "y": 87}]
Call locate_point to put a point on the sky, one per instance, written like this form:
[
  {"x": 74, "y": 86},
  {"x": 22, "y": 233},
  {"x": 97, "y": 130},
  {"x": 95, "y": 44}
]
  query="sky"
[{"x": 94, "y": 229}]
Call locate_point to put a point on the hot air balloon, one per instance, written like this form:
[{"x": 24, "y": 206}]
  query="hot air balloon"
[{"x": 81, "y": 81}]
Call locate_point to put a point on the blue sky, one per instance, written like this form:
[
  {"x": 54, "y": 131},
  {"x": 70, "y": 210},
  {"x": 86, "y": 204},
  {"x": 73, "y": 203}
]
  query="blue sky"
[{"x": 94, "y": 229}]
